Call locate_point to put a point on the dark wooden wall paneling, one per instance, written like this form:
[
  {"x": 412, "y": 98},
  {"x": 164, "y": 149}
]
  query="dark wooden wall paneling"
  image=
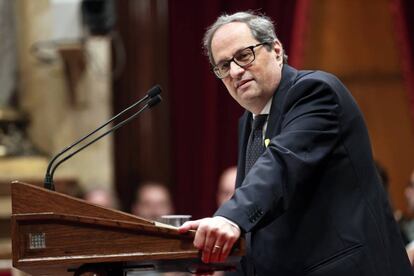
[{"x": 356, "y": 41}]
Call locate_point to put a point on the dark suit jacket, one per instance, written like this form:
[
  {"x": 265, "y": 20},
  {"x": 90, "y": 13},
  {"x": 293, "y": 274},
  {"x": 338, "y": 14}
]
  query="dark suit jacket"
[{"x": 313, "y": 201}]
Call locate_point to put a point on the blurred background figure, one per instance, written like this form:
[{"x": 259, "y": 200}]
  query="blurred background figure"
[
  {"x": 407, "y": 223},
  {"x": 227, "y": 184},
  {"x": 409, "y": 193},
  {"x": 100, "y": 196},
  {"x": 152, "y": 200}
]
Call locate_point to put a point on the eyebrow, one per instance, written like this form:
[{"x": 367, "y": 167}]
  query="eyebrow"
[{"x": 223, "y": 60}]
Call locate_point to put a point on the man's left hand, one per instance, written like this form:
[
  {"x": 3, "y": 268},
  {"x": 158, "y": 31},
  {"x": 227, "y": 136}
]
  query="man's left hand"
[{"x": 215, "y": 237}]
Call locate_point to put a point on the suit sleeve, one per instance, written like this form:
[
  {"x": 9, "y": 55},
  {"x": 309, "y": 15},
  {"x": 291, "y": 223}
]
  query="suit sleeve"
[{"x": 309, "y": 133}]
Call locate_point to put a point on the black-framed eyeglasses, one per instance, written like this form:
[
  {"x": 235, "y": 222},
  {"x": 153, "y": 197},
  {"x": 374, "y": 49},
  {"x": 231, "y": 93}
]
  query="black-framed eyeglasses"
[{"x": 242, "y": 58}]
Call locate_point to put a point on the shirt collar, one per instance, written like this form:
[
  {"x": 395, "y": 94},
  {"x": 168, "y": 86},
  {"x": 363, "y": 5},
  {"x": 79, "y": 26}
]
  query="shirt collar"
[{"x": 266, "y": 108}]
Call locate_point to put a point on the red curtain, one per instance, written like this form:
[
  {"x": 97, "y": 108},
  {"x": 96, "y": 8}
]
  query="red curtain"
[
  {"x": 141, "y": 148},
  {"x": 403, "y": 11},
  {"x": 204, "y": 118}
]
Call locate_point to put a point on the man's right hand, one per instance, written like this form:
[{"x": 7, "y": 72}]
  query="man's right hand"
[{"x": 215, "y": 237}]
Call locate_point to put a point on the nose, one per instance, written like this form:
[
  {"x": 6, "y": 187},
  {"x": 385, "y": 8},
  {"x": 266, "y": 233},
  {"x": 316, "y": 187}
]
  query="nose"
[{"x": 235, "y": 69}]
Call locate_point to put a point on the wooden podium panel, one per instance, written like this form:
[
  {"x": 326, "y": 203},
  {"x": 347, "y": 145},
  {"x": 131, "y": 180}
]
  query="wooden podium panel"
[{"x": 55, "y": 234}]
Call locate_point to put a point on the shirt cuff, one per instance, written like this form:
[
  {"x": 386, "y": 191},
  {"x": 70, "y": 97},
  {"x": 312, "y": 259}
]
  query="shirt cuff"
[{"x": 231, "y": 222}]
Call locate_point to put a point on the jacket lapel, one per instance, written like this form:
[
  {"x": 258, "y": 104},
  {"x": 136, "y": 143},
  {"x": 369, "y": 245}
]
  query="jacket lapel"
[
  {"x": 275, "y": 117},
  {"x": 273, "y": 125},
  {"x": 244, "y": 132}
]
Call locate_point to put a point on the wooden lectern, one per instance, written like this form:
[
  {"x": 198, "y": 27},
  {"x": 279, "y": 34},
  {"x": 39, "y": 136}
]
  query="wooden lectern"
[{"x": 55, "y": 234}]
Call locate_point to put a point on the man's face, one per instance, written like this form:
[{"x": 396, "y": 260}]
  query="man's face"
[
  {"x": 153, "y": 202},
  {"x": 253, "y": 85},
  {"x": 409, "y": 193},
  {"x": 226, "y": 186}
]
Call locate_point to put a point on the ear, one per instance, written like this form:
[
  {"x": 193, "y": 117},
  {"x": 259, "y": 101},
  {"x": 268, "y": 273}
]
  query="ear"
[{"x": 278, "y": 48}]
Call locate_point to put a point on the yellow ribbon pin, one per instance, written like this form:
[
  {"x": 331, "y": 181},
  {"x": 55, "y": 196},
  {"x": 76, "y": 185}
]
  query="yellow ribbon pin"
[{"x": 267, "y": 142}]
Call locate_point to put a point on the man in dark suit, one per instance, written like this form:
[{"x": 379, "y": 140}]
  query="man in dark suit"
[{"x": 308, "y": 196}]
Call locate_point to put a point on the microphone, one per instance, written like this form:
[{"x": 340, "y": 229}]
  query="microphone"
[{"x": 152, "y": 98}]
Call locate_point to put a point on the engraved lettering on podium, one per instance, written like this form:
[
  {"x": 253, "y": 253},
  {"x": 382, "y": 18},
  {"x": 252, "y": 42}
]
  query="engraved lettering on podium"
[{"x": 37, "y": 240}]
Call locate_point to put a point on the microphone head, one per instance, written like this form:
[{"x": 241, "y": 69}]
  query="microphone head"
[
  {"x": 156, "y": 90},
  {"x": 154, "y": 101}
]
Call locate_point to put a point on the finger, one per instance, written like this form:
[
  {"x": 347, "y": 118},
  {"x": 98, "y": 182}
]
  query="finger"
[
  {"x": 215, "y": 254},
  {"x": 200, "y": 237},
  {"x": 205, "y": 257},
  {"x": 228, "y": 245},
  {"x": 208, "y": 249},
  {"x": 230, "y": 240},
  {"x": 225, "y": 252},
  {"x": 189, "y": 225},
  {"x": 218, "y": 248}
]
